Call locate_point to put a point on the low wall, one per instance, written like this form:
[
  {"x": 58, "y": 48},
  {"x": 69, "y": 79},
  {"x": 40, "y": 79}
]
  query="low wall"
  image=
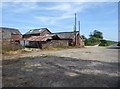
[{"x": 55, "y": 43}]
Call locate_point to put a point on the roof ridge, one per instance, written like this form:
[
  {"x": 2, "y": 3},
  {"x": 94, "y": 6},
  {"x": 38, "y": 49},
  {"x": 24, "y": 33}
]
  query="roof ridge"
[
  {"x": 64, "y": 32},
  {"x": 38, "y": 28},
  {"x": 9, "y": 28}
]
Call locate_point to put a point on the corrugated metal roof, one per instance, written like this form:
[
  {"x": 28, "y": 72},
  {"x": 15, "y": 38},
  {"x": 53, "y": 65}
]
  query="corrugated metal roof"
[
  {"x": 6, "y": 32},
  {"x": 9, "y": 30},
  {"x": 36, "y": 31},
  {"x": 66, "y": 35},
  {"x": 39, "y": 38}
]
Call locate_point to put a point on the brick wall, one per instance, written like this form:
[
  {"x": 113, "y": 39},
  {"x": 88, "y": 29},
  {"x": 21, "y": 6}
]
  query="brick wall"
[
  {"x": 7, "y": 44},
  {"x": 80, "y": 41},
  {"x": 55, "y": 43},
  {"x": 16, "y": 37}
]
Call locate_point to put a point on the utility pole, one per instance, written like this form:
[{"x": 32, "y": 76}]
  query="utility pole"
[
  {"x": 79, "y": 26},
  {"x": 75, "y": 30}
]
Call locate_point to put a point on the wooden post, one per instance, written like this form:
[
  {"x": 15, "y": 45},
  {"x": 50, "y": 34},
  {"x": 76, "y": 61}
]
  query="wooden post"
[{"x": 79, "y": 32}]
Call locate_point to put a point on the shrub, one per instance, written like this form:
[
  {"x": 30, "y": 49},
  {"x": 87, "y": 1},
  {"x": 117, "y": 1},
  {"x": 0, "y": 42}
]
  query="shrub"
[
  {"x": 103, "y": 43},
  {"x": 92, "y": 41}
]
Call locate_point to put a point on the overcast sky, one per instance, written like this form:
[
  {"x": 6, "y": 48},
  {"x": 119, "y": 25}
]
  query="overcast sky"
[{"x": 59, "y": 16}]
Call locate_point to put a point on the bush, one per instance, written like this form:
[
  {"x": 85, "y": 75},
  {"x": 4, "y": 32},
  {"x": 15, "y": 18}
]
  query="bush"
[
  {"x": 103, "y": 43},
  {"x": 92, "y": 41}
]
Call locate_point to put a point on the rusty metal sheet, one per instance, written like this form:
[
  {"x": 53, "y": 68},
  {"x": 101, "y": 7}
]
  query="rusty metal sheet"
[{"x": 39, "y": 38}]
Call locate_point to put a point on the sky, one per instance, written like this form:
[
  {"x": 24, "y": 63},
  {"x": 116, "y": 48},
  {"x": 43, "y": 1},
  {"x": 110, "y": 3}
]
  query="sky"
[{"x": 59, "y": 17}]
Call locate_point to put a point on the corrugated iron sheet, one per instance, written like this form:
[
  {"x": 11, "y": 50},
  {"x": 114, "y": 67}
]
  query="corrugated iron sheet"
[{"x": 38, "y": 38}]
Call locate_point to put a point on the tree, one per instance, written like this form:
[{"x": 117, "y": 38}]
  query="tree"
[
  {"x": 94, "y": 38},
  {"x": 97, "y": 34}
]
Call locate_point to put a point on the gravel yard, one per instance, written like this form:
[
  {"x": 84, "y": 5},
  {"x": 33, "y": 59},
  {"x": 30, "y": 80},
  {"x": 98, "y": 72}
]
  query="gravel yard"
[{"x": 79, "y": 67}]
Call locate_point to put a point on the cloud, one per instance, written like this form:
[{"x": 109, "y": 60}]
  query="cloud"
[
  {"x": 67, "y": 11},
  {"x": 50, "y": 20},
  {"x": 19, "y": 7},
  {"x": 46, "y": 20},
  {"x": 67, "y": 7},
  {"x": 60, "y": 7},
  {"x": 64, "y": 10}
]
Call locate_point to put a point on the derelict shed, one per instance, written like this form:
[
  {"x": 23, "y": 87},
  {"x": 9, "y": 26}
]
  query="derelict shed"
[
  {"x": 39, "y": 41},
  {"x": 70, "y": 36},
  {"x": 10, "y": 38}
]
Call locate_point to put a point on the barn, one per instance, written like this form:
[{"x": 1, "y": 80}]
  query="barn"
[
  {"x": 10, "y": 38},
  {"x": 70, "y": 36},
  {"x": 35, "y": 37}
]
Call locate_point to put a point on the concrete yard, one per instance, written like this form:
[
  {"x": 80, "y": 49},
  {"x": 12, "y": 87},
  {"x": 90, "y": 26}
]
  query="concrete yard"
[{"x": 78, "y": 67}]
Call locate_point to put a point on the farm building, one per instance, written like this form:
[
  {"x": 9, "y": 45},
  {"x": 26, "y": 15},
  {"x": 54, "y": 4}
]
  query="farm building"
[
  {"x": 46, "y": 41},
  {"x": 35, "y": 37},
  {"x": 10, "y": 38},
  {"x": 43, "y": 38},
  {"x": 71, "y": 37}
]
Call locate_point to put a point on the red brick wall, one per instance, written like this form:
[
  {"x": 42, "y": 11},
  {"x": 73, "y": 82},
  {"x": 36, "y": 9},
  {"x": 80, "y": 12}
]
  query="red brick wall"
[
  {"x": 7, "y": 44},
  {"x": 16, "y": 37},
  {"x": 79, "y": 41}
]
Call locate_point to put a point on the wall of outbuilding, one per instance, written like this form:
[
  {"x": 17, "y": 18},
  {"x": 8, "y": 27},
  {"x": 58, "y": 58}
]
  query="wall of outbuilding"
[
  {"x": 55, "y": 43},
  {"x": 80, "y": 41},
  {"x": 10, "y": 45}
]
